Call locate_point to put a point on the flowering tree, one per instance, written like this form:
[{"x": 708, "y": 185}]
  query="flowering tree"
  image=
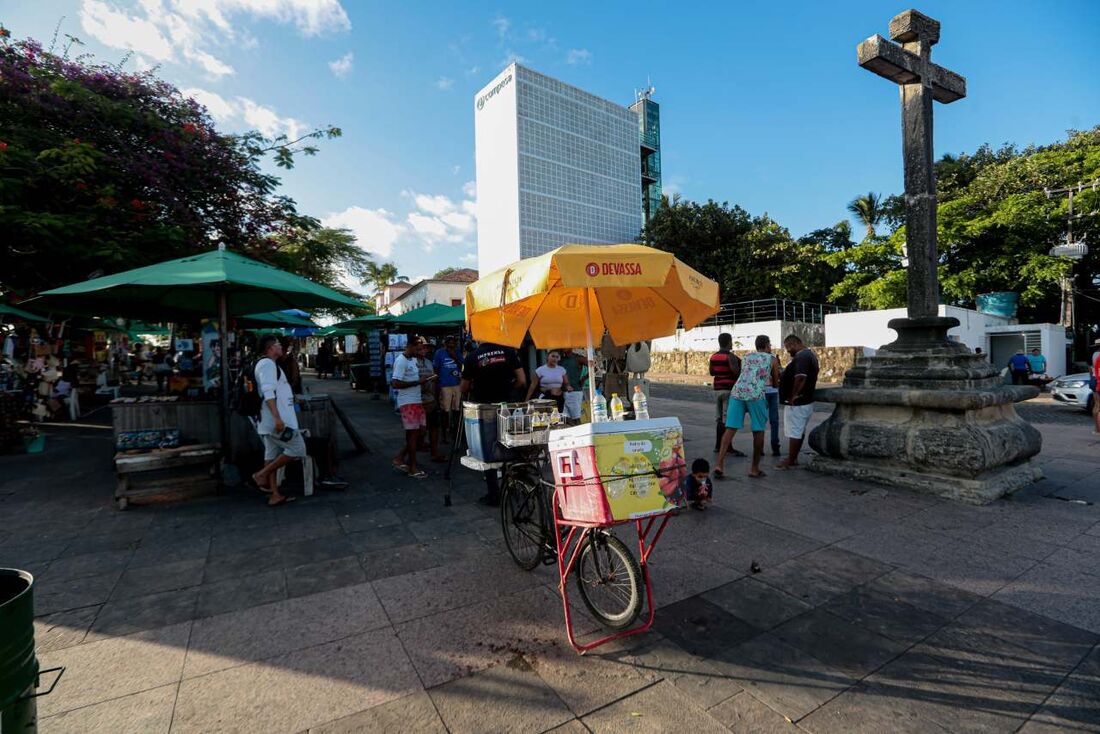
[{"x": 103, "y": 170}]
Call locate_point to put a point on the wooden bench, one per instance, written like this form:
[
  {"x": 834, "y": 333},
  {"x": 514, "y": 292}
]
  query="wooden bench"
[{"x": 126, "y": 465}]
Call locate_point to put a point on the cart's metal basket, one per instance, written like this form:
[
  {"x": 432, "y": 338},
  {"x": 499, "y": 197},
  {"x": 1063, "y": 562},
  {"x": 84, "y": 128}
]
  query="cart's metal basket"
[{"x": 526, "y": 424}]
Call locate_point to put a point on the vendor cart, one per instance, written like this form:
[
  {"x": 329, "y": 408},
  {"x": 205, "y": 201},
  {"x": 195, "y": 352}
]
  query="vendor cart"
[{"x": 603, "y": 475}]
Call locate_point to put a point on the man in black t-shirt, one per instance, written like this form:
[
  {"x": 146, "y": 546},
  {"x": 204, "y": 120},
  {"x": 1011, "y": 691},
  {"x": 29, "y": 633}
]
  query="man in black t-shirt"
[
  {"x": 796, "y": 392},
  {"x": 492, "y": 374}
]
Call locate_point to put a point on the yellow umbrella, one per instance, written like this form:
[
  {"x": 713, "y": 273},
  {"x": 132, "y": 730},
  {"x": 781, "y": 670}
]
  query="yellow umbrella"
[{"x": 565, "y": 296}]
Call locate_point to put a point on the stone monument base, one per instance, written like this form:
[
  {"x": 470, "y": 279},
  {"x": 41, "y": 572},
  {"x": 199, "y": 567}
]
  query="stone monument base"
[{"x": 927, "y": 414}]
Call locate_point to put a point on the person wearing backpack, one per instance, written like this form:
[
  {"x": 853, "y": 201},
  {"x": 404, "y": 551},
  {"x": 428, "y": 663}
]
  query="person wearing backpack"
[{"x": 277, "y": 423}]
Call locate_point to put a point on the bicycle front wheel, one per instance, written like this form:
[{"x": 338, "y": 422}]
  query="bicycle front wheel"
[
  {"x": 523, "y": 519},
  {"x": 610, "y": 581}
]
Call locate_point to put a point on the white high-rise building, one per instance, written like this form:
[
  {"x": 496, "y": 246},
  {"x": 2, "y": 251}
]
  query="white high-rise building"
[{"x": 555, "y": 165}]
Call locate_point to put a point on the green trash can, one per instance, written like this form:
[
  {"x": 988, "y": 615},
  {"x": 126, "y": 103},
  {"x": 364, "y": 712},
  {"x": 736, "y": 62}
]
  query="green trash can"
[{"x": 19, "y": 673}]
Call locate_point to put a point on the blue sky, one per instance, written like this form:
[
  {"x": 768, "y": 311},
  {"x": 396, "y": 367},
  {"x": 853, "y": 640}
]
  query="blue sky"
[{"x": 762, "y": 105}]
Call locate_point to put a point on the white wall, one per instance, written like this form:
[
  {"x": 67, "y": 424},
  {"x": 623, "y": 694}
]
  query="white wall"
[
  {"x": 1052, "y": 343},
  {"x": 497, "y": 158},
  {"x": 426, "y": 292},
  {"x": 868, "y": 329},
  {"x": 705, "y": 338}
]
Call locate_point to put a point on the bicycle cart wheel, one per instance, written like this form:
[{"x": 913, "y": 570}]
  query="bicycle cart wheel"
[
  {"x": 522, "y": 518},
  {"x": 610, "y": 581}
]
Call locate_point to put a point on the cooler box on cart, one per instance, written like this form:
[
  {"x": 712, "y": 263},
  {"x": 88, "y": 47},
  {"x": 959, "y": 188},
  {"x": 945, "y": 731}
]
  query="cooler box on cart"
[{"x": 611, "y": 472}]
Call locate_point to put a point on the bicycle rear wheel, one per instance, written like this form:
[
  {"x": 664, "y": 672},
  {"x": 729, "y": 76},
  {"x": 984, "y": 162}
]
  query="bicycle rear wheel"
[
  {"x": 522, "y": 518},
  {"x": 609, "y": 580}
]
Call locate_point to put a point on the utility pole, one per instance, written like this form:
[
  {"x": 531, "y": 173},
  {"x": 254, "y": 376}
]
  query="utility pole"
[{"x": 1075, "y": 249}]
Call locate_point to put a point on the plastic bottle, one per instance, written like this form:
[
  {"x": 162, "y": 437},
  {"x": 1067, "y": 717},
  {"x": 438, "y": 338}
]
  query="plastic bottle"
[
  {"x": 599, "y": 408},
  {"x": 617, "y": 409},
  {"x": 641, "y": 404},
  {"x": 555, "y": 417}
]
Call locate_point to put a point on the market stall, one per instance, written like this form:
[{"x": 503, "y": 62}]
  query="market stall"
[
  {"x": 218, "y": 282},
  {"x": 596, "y": 475}
]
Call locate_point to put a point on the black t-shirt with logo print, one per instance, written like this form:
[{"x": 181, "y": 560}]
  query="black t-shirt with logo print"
[{"x": 491, "y": 369}]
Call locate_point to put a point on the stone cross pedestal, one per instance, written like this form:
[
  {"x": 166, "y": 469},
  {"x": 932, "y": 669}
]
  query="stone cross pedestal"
[{"x": 925, "y": 412}]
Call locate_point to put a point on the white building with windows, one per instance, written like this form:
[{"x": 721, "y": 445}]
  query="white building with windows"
[
  {"x": 555, "y": 165},
  {"x": 448, "y": 290}
]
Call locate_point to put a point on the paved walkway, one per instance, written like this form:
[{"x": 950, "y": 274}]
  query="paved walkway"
[{"x": 377, "y": 609}]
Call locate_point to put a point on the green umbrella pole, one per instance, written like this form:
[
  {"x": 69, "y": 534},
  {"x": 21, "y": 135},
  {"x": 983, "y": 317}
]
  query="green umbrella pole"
[{"x": 223, "y": 336}]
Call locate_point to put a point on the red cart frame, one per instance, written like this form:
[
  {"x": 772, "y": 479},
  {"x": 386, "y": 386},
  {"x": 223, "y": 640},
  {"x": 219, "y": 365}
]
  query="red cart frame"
[{"x": 568, "y": 550}]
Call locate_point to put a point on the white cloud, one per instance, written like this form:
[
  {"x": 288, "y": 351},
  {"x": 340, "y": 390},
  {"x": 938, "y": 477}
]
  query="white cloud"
[
  {"x": 267, "y": 121},
  {"x": 430, "y": 228},
  {"x": 455, "y": 169},
  {"x": 375, "y": 230},
  {"x": 502, "y": 25},
  {"x": 191, "y": 31},
  {"x": 444, "y": 83},
  {"x": 469, "y": 190},
  {"x": 436, "y": 205},
  {"x": 578, "y": 56},
  {"x": 511, "y": 57},
  {"x": 469, "y": 257},
  {"x": 103, "y": 22},
  {"x": 341, "y": 67},
  {"x": 242, "y": 112}
]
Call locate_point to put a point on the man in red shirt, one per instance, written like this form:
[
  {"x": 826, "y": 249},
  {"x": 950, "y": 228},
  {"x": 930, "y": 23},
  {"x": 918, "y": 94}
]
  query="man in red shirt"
[{"x": 725, "y": 368}]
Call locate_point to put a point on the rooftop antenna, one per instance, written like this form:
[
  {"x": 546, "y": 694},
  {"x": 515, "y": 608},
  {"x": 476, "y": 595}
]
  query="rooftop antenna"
[{"x": 640, "y": 94}]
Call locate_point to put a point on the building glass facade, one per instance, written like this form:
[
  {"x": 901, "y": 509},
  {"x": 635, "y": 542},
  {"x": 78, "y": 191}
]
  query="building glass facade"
[
  {"x": 649, "y": 135},
  {"x": 572, "y": 174}
]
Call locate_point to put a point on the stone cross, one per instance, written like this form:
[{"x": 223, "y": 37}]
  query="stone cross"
[{"x": 910, "y": 66}]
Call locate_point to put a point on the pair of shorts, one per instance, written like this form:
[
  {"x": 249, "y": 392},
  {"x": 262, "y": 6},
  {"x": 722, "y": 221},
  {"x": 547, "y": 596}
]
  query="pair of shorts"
[
  {"x": 450, "y": 398},
  {"x": 721, "y": 405},
  {"x": 795, "y": 418},
  {"x": 757, "y": 410},
  {"x": 273, "y": 446},
  {"x": 413, "y": 417}
]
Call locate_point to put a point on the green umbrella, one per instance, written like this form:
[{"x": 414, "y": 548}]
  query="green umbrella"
[
  {"x": 218, "y": 282},
  {"x": 422, "y": 316},
  {"x": 277, "y": 318},
  {"x": 356, "y": 325},
  {"x": 195, "y": 285},
  {"x": 452, "y": 316},
  {"x": 9, "y": 310}
]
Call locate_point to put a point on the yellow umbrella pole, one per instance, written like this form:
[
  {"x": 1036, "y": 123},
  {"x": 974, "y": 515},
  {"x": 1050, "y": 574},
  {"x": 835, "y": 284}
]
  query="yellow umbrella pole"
[{"x": 591, "y": 354}]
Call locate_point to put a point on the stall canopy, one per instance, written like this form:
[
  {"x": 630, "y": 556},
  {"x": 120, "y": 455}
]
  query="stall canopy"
[
  {"x": 220, "y": 283},
  {"x": 424, "y": 315},
  {"x": 194, "y": 286},
  {"x": 9, "y": 313},
  {"x": 452, "y": 316},
  {"x": 290, "y": 318}
]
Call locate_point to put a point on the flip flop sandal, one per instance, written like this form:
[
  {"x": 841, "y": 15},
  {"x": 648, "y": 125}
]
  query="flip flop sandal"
[
  {"x": 719, "y": 474},
  {"x": 401, "y": 467},
  {"x": 284, "y": 501},
  {"x": 420, "y": 475},
  {"x": 757, "y": 476}
]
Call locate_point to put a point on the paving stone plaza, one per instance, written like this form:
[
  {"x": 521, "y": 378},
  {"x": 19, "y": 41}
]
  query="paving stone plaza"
[{"x": 379, "y": 609}]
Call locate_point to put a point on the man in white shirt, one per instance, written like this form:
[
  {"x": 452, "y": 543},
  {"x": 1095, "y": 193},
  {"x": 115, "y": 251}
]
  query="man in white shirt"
[
  {"x": 409, "y": 386},
  {"x": 278, "y": 424}
]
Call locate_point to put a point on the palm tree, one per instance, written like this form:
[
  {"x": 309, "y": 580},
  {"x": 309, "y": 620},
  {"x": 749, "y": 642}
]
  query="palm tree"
[
  {"x": 379, "y": 275},
  {"x": 868, "y": 210}
]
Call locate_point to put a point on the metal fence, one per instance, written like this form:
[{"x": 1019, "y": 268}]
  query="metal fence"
[{"x": 774, "y": 309}]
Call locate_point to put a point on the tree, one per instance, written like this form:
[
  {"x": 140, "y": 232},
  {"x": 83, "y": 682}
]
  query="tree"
[
  {"x": 868, "y": 210},
  {"x": 445, "y": 272},
  {"x": 104, "y": 170},
  {"x": 379, "y": 275},
  {"x": 750, "y": 257},
  {"x": 322, "y": 254}
]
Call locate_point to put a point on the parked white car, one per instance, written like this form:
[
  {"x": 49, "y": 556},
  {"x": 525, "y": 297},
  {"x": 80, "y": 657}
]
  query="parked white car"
[{"x": 1073, "y": 390}]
